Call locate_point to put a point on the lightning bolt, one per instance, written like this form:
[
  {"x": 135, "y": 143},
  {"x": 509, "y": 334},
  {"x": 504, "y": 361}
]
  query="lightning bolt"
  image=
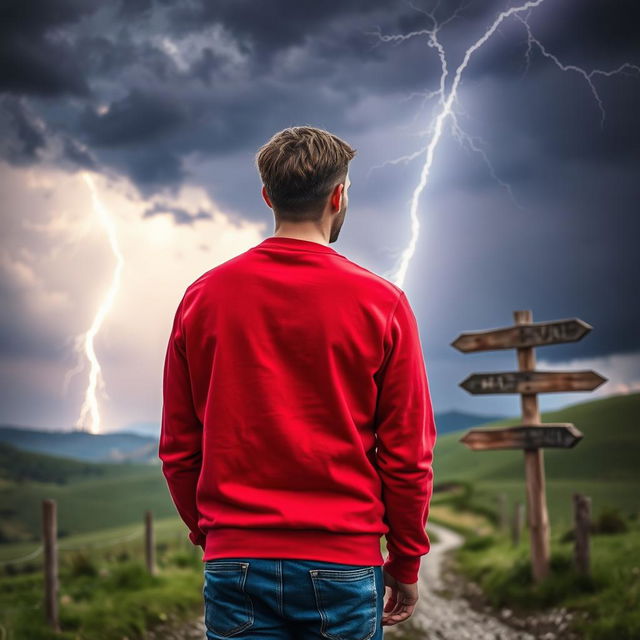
[
  {"x": 447, "y": 100},
  {"x": 89, "y": 418}
]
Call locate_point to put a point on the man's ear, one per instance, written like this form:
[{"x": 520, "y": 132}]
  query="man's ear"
[
  {"x": 266, "y": 197},
  {"x": 336, "y": 195}
]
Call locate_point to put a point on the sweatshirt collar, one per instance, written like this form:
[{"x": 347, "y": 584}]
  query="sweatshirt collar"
[{"x": 297, "y": 244}]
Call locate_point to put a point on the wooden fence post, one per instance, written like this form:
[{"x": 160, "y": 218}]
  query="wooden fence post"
[
  {"x": 582, "y": 522},
  {"x": 49, "y": 540}
]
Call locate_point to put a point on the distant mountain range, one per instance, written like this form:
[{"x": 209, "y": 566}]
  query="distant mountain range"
[
  {"x": 138, "y": 442},
  {"x": 450, "y": 421},
  {"x": 151, "y": 429},
  {"x": 80, "y": 445}
]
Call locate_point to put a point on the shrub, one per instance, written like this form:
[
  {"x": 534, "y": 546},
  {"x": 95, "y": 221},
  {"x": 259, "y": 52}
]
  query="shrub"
[
  {"x": 478, "y": 543},
  {"x": 123, "y": 556},
  {"x": 130, "y": 577},
  {"x": 183, "y": 559},
  {"x": 610, "y": 521},
  {"x": 81, "y": 564}
]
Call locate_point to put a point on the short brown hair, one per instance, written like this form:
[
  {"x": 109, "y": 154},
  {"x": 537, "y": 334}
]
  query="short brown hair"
[{"x": 299, "y": 167}]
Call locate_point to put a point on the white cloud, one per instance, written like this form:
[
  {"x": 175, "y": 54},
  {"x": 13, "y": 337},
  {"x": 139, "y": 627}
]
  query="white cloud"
[{"x": 622, "y": 371}]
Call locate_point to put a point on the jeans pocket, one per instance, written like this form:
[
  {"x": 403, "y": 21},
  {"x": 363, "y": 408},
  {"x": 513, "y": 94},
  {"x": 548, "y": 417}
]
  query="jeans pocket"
[
  {"x": 346, "y": 600},
  {"x": 228, "y": 607}
]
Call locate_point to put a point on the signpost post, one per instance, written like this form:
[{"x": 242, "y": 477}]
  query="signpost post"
[{"x": 531, "y": 436}]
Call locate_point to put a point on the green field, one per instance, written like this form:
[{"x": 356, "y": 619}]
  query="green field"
[
  {"x": 101, "y": 509},
  {"x": 90, "y": 497},
  {"x": 105, "y": 590},
  {"x": 603, "y": 465},
  {"x": 118, "y": 495}
]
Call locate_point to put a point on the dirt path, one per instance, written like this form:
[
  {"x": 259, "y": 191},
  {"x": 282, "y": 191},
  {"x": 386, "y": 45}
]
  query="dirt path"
[
  {"x": 448, "y": 609},
  {"x": 443, "y": 618},
  {"x": 453, "y": 608}
]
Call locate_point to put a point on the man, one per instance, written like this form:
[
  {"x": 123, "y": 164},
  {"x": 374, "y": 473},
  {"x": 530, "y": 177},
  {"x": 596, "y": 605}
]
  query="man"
[{"x": 297, "y": 425}]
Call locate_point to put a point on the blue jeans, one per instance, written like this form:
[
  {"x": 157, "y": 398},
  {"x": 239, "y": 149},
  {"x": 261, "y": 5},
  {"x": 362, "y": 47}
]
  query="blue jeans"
[{"x": 267, "y": 598}]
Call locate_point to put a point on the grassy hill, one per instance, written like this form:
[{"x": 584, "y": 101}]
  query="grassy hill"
[
  {"x": 90, "y": 496},
  {"x": 101, "y": 509},
  {"x": 23, "y": 466},
  {"x": 603, "y": 465}
]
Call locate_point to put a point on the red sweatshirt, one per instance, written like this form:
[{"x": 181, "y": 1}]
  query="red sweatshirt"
[{"x": 297, "y": 419}]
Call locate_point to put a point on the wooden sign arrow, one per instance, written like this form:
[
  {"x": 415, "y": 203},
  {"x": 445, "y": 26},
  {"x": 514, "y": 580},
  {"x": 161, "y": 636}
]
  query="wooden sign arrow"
[
  {"x": 532, "y": 381},
  {"x": 532, "y": 334},
  {"x": 526, "y": 436}
]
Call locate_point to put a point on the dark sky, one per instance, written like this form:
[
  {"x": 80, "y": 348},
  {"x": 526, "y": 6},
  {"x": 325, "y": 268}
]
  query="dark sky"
[{"x": 531, "y": 201}]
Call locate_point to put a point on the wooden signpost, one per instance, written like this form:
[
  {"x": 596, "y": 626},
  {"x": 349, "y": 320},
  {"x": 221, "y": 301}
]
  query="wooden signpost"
[
  {"x": 532, "y": 381},
  {"x": 530, "y": 334},
  {"x": 524, "y": 436},
  {"x": 531, "y": 436}
]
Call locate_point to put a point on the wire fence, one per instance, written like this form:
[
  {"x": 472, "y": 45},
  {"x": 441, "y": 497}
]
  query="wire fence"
[
  {"x": 50, "y": 566},
  {"x": 30, "y": 556},
  {"x": 65, "y": 546}
]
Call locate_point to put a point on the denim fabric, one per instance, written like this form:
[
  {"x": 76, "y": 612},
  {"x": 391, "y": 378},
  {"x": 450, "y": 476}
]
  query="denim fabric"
[{"x": 265, "y": 598}]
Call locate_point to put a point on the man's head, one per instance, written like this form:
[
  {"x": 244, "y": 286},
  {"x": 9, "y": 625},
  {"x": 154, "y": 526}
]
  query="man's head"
[{"x": 305, "y": 176}]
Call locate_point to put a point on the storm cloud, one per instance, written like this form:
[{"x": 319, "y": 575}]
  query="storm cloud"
[{"x": 531, "y": 202}]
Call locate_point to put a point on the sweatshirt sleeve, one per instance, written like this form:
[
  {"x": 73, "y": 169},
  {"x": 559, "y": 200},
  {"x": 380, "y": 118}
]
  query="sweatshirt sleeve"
[
  {"x": 180, "y": 446},
  {"x": 406, "y": 436}
]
